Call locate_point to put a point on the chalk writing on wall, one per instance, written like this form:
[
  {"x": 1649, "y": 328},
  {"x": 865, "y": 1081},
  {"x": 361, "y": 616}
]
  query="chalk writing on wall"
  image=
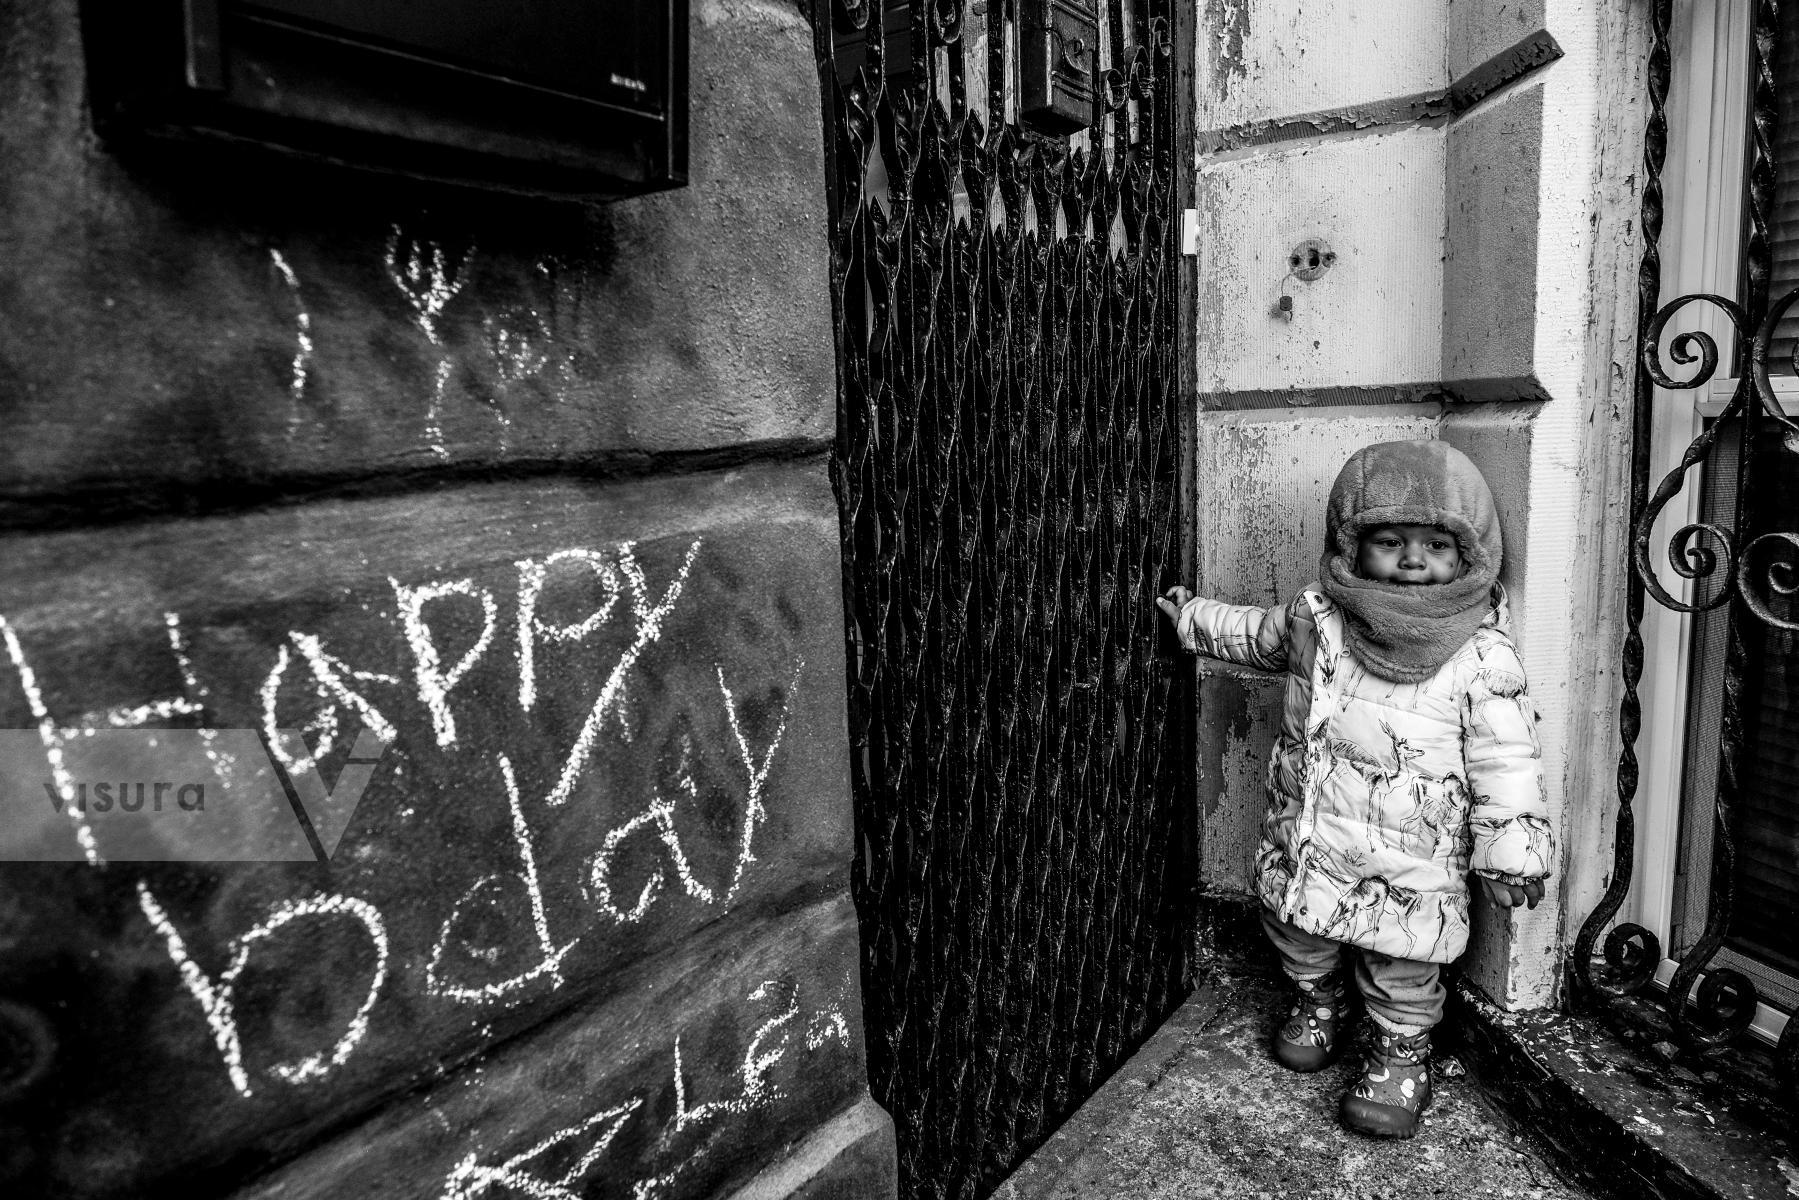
[
  {"x": 421, "y": 271},
  {"x": 330, "y": 698},
  {"x": 522, "y": 343},
  {"x": 54, "y": 738},
  {"x": 434, "y": 682},
  {"x": 649, "y": 618},
  {"x": 331, "y": 681},
  {"x": 659, "y": 817},
  {"x": 486, "y": 889},
  {"x": 196, "y": 693},
  {"x": 214, "y": 997},
  {"x": 517, "y": 342},
  {"x": 521, "y": 1172},
  {"x": 302, "y": 336},
  {"x": 532, "y": 575},
  {"x": 750, "y": 1089},
  {"x": 525, "y": 338}
]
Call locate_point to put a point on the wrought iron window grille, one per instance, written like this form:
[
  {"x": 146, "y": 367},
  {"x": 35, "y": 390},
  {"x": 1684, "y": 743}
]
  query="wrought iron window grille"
[{"x": 1740, "y": 572}]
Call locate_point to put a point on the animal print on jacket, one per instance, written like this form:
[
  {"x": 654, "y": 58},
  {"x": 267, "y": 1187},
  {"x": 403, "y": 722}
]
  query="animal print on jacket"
[{"x": 1383, "y": 795}]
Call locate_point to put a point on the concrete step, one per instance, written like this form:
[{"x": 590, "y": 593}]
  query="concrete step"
[
  {"x": 1202, "y": 1110},
  {"x": 1615, "y": 1101}
]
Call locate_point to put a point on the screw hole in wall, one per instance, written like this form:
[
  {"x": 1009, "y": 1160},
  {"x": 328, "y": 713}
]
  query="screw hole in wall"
[{"x": 1310, "y": 259}]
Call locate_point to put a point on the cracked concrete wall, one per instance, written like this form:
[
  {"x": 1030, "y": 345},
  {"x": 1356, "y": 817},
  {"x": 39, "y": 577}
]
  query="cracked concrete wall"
[{"x": 1451, "y": 155}]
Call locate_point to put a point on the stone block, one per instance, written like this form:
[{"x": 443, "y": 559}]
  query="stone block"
[
  {"x": 172, "y": 322},
  {"x": 614, "y": 720},
  {"x": 1333, "y": 64},
  {"x": 851, "y": 1157},
  {"x": 683, "y": 1086},
  {"x": 1491, "y": 319},
  {"x": 1374, "y": 319}
]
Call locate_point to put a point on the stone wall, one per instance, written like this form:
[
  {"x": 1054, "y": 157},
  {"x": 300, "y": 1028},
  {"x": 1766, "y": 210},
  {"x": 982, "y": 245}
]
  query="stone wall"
[
  {"x": 1470, "y": 166},
  {"x": 538, "y": 495}
]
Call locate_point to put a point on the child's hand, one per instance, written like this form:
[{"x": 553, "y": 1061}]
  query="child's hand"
[
  {"x": 1173, "y": 600},
  {"x": 1511, "y": 895}
]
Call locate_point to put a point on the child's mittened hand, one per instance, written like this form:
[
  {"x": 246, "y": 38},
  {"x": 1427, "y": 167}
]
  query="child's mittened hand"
[
  {"x": 1173, "y": 600},
  {"x": 1511, "y": 895}
]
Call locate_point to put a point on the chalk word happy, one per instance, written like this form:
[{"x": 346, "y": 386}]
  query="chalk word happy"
[{"x": 343, "y": 694}]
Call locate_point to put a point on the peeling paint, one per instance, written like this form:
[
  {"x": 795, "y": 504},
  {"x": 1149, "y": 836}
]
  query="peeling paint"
[
  {"x": 1515, "y": 62},
  {"x": 1426, "y": 107},
  {"x": 1227, "y": 22}
]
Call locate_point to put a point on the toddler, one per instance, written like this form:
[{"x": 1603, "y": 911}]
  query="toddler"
[{"x": 1407, "y": 754}]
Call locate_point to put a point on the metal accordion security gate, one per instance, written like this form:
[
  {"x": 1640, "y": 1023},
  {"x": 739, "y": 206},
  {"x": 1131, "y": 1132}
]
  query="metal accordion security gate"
[{"x": 1008, "y": 467}]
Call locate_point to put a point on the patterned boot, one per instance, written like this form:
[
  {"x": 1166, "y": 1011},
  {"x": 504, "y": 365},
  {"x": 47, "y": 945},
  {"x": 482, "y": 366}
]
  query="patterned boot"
[
  {"x": 1312, "y": 1037},
  {"x": 1394, "y": 1089}
]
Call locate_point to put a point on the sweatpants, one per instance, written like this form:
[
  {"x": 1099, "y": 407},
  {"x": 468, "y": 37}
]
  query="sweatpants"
[{"x": 1402, "y": 995}]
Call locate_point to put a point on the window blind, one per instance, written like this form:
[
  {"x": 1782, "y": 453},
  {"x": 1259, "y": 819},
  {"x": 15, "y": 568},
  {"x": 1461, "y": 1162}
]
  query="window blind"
[
  {"x": 1784, "y": 235},
  {"x": 1766, "y": 915}
]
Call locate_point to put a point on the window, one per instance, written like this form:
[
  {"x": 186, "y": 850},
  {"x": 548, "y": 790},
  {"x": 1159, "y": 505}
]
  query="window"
[{"x": 1686, "y": 662}]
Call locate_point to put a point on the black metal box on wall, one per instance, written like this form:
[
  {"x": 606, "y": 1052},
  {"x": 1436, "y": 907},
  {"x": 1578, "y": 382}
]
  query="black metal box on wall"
[
  {"x": 583, "y": 98},
  {"x": 1058, "y": 57}
]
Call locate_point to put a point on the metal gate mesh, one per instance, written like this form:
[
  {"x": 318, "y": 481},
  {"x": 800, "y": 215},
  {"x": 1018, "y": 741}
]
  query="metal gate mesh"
[{"x": 1007, "y": 466}]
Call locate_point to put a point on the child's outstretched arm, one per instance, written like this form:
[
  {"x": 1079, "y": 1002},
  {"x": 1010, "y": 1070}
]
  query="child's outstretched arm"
[
  {"x": 1239, "y": 633},
  {"x": 1514, "y": 846}
]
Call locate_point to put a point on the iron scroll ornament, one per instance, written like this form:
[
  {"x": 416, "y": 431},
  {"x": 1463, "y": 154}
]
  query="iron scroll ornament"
[
  {"x": 1689, "y": 553},
  {"x": 1723, "y": 568}
]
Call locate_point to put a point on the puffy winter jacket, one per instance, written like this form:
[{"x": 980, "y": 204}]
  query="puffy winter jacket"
[{"x": 1382, "y": 795}]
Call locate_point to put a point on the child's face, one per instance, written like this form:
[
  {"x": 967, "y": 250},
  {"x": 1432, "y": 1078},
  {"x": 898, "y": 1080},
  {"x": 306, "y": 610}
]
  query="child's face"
[{"x": 1411, "y": 554}]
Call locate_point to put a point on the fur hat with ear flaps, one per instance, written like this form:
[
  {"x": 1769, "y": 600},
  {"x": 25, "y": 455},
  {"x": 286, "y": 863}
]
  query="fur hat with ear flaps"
[{"x": 1404, "y": 632}]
